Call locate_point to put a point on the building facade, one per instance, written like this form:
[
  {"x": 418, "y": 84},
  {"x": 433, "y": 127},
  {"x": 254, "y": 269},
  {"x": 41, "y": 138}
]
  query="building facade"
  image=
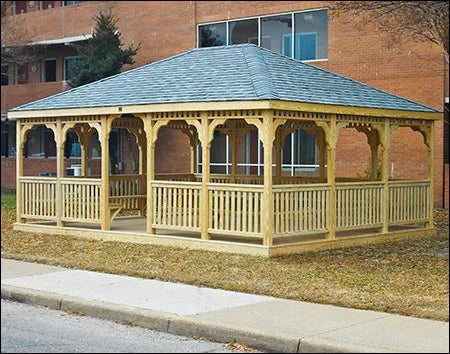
[{"x": 302, "y": 30}]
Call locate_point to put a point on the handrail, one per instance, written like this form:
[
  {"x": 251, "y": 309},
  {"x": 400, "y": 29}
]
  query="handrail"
[
  {"x": 157, "y": 182},
  {"x": 37, "y": 178}
]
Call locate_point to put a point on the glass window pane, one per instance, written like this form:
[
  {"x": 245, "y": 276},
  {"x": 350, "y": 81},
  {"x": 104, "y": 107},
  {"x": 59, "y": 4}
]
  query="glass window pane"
[
  {"x": 218, "y": 148},
  {"x": 212, "y": 35},
  {"x": 287, "y": 158},
  {"x": 276, "y": 33},
  {"x": 245, "y": 31},
  {"x": 70, "y": 66},
  {"x": 311, "y": 35},
  {"x": 304, "y": 148}
]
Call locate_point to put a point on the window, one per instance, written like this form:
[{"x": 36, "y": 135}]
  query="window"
[
  {"x": 213, "y": 35},
  {"x": 20, "y": 7},
  {"x": 22, "y": 74},
  {"x": 8, "y": 138},
  {"x": 48, "y": 70},
  {"x": 5, "y": 75},
  {"x": 40, "y": 143},
  {"x": 68, "y": 3},
  {"x": 72, "y": 147},
  {"x": 298, "y": 154},
  {"x": 244, "y": 31},
  {"x": 47, "y": 5},
  {"x": 311, "y": 29},
  {"x": 4, "y": 139},
  {"x": 70, "y": 67},
  {"x": 276, "y": 32},
  {"x": 299, "y": 151}
]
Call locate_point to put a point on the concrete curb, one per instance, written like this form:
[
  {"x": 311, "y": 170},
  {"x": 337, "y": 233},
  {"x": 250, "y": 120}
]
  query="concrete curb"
[{"x": 180, "y": 325}]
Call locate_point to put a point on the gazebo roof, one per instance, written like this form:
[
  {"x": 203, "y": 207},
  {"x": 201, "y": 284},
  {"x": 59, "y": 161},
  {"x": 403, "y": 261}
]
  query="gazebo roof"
[{"x": 229, "y": 73}]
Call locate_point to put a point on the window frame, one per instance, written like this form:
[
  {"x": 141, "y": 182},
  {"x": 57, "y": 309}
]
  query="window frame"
[
  {"x": 65, "y": 65},
  {"x": 292, "y": 13},
  {"x": 43, "y": 67}
]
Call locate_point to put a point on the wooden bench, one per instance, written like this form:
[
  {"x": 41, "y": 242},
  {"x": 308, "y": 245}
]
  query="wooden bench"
[{"x": 114, "y": 209}]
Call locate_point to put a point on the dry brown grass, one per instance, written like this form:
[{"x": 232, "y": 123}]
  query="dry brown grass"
[{"x": 403, "y": 277}]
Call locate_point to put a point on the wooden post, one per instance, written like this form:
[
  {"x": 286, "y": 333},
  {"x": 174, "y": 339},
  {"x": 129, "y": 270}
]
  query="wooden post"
[
  {"x": 234, "y": 149},
  {"x": 105, "y": 170},
  {"x": 385, "y": 140},
  {"x": 431, "y": 172},
  {"x": 151, "y": 140},
  {"x": 59, "y": 171},
  {"x": 206, "y": 148},
  {"x": 268, "y": 136},
  {"x": 278, "y": 159},
  {"x": 373, "y": 142},
  {"x": 331, "y": 176},
  {"x": 19, "y": 171}
]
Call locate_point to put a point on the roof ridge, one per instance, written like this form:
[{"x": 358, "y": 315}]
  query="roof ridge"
[
  {"x": 104, "y": 79},
  {"x": 348, "y": 78},
  {"x": 260, "y": 76}
]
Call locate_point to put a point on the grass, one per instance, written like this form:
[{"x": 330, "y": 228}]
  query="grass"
[{"x": 404, "y": 277}]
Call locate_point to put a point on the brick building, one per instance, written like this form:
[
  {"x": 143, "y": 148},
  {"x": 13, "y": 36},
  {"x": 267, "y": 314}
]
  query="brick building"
[{"x": 417, "y": 72}]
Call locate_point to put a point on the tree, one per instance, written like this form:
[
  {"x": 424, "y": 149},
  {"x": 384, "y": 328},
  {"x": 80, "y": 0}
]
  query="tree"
[
  {"x": 102, "y": 55},
  {"x": 402, "y": 21}
]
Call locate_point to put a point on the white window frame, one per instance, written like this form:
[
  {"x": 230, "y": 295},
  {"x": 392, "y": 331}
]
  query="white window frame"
[
  {"x": 292, "y": 13},
  {"x": 292, "y": 167}
]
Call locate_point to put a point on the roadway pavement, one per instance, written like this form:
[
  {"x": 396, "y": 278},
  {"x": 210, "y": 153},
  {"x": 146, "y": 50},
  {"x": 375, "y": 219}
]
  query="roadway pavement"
[
  {"x": 261, "y": 322},
  {"x": 34, "y": 329}
]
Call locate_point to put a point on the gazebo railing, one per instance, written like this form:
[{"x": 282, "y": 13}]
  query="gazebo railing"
[
  {"x": 359, "y": 205},
  {"x": 235, "y": 209},
  {"x": 409, "y": 201},
  {"x": 300, "y": 209},
  {"x": 81, "y": 199},
  {"x": 38, "y": 197},
  {"x": 176, "y": 205}
]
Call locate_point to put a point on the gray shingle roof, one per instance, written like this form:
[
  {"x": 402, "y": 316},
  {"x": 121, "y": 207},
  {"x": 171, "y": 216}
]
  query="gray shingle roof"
[{"x": 228, "y": 73}]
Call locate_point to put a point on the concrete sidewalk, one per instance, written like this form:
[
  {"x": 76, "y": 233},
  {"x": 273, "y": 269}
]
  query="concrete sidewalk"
[{"x": 261, "y": 322}]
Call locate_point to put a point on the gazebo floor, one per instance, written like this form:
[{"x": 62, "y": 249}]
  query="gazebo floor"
[{"x": 132, "y": 229}]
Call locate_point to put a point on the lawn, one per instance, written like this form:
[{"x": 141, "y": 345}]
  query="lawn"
[{"x": 408, "y": 277}]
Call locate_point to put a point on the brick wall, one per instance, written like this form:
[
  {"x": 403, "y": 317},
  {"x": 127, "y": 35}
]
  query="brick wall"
[{"x": 168, "y": 28}]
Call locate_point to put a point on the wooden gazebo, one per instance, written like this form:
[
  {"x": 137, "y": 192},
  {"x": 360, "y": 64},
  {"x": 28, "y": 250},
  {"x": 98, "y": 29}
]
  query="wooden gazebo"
[{"x": 233, "y": 89}]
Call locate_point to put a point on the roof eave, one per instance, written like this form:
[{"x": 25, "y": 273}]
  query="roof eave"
[
  {"x": 229, "y": 105},
  {"x": 353, "y": 110}
]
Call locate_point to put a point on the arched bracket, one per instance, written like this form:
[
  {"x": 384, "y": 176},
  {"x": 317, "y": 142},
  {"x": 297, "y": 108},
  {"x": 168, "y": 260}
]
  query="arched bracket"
[
  {"x": 385, "y": 134},
  {"x": 25, "y": 129},
  {"x": 426, "y": 134},
  {"x": 330, "y": 137}
]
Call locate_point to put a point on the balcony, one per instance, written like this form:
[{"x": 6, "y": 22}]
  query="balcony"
[{"x": 16, "y": 95}]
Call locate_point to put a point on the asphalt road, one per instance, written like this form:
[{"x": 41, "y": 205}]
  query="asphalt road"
[{"x": 33, "y": 329}]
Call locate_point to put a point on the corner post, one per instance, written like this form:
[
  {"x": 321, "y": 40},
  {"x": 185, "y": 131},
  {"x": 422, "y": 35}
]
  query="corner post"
[
  {"x": 373, "y": 142},
  {"x": 60, "y": 139},
  {"x": 105, "y": 170},
  {"x": 151, "y": 140},
  {"x": 331, "y": 176},
  {"x": 19, "y": 171},
  {"x": 268, "y": 135},
  {"x": 234, "y": 142},
  {"x": 204, "y": 202},
  {"x": 385, "y": 139},
  {"x": 431, "y": 173}
]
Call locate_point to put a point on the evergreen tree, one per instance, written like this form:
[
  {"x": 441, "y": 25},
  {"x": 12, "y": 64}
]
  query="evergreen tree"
[{"x": 102, "y": 55}]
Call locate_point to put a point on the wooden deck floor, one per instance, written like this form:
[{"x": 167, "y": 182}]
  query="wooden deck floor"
[{"x": 137, "y": 225}]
